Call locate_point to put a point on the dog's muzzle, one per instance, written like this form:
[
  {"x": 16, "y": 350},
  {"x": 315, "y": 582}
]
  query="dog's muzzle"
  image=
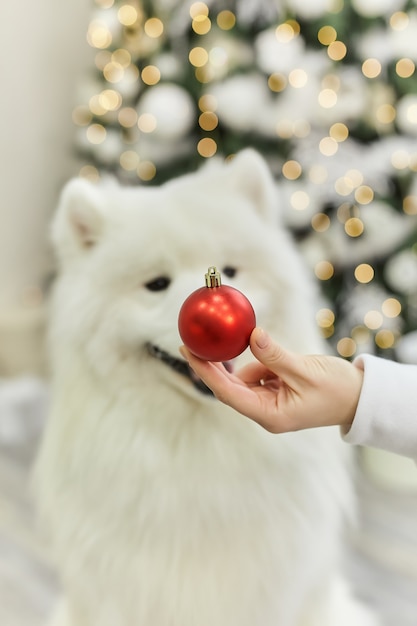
[{"x": 180, "y": 366}]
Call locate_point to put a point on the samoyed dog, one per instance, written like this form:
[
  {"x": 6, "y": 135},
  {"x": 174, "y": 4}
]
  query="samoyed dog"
[{"x": 165, "y": 507}]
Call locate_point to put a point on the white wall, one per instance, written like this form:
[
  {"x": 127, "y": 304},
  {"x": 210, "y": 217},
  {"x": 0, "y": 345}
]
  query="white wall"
[{"x": 43, "y": 56}]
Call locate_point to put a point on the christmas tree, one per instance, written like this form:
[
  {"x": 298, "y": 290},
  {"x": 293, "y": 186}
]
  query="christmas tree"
[{"x": 325, "y": 90}]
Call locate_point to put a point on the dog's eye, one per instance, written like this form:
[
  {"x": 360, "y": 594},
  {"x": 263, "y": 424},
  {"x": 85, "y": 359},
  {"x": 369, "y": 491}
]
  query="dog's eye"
[
  {"x": 229, "y": 271},
  {"x": 158, "y": 284}
]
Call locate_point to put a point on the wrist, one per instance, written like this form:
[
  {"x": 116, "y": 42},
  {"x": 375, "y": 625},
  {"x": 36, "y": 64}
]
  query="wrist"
[{"x": 353, "y": 393}]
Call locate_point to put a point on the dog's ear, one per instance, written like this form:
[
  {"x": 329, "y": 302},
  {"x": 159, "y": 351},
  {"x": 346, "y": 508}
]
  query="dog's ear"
[
  {"x": 250, "y": 174},
  {"x": 78, "y": 223}
]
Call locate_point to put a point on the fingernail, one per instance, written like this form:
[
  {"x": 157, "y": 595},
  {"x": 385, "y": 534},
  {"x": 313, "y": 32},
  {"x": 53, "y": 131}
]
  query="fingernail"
[
  {"x": 183, "y": 352},
  {"x": 261, "y": 338}
]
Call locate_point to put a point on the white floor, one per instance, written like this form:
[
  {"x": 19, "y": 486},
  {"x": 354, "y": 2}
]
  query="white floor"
[
  {"x": 27, "y": 585},
  {"x": 382, "y": 561}
]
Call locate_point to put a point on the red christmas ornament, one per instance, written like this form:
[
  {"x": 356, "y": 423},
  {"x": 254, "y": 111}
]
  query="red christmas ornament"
[{"x": 216, "y": 321}]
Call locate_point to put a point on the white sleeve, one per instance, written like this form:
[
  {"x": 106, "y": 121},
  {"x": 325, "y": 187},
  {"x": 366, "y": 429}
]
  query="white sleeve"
[{"x": 386, "y": 416}]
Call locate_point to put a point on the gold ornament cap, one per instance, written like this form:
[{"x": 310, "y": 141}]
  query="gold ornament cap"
[{"x": 213, "y": 278}]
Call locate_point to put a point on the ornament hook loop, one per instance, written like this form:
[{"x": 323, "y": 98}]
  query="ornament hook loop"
[{"x": 213, "y": 278}]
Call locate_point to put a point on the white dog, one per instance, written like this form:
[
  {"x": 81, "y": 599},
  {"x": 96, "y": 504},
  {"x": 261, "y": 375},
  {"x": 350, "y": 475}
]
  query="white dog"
[{"x": 165, "y": 507}]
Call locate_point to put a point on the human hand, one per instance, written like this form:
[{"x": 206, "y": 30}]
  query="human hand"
[{"x": 284, "y": 391}]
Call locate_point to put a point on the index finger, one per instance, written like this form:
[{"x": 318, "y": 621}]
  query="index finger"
[{"x": 256, "y": 401}]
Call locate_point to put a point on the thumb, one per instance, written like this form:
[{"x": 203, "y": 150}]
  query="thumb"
[{"x": 285, "y": 364}]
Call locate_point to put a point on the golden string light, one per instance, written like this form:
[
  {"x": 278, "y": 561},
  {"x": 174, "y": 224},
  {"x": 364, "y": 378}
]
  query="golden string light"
[
  {"x": 146, "y": 170},
  {"x": 399, "y": 20},
  {"x": 207, "y": 147},
  {"x": 203, "y": 74},
  {"x": 151, "y": 75},
  {"x": 110, "y": 99},
  {"x": 127, "y": 15},
  {"x": 373, "y": 319},
  {"x": 324, "y": 270},
  {"x": 360, "y": 334},
  {"x": 400, "y": 159},
  {"x": 285, "y": 32},
  {"x": 277, "y": 82},
  {"x": 371, "y": 68},
  {"x": 345, "y": 211},
  {"x": 339, "y": 132},
  {"x": 364, "y": 194},
  {"x": 320, "y": 222},
  {"x": 90, "y": 172},
  {"x": 337, "y": 50},
  {"x": 147, "y": 122},
  {"x": 325, "y": 319},
  {"x": 410, "y": 205},
  {"x": 297, "y": 78},
  {"x": 127, "y": 117},
  {"x": 201, "y": 24},
  {"x": 121, "y": 57},
  {"x": 391, "y": 307},
  {"x": 153, "y": 27},
  {"x": 385, "y": 113},
  {"x": 346, "y": 347},
  {"x": 96, "y": 133},
  {"x": 113, "y": 72},
  {"x": 207, "y": 103},
  {"x": 327, "y": 98},
  {"x": 355, "y": 177},
  {"x": 327, "y": 35},
  {"x": 96, "y": 107},
  {"x": 328, "y": 146},
  {"x": 99, "y": 35},
  {"x": 299, "y": 200},
  {"x": 208, "y": 120},
  {"x": 344, "y": 186},
  {"x": 198, "y": 9},
  {"x": 364, "y": 273},
  {"x": 296, "y": 28},
  {"x": 226, "y": 20},
  {"x": 129, "y": 160},
  {"x": 292, "y": 170},
  {"x": 385, "y": 339},
  {"x": 354, "y": 227},
  {"x": 405, "y": 68},
  {"x": 198, "y": 56}
]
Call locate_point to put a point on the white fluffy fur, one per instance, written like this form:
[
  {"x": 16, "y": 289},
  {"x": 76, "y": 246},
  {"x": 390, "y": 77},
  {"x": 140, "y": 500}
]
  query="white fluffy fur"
[{"x": 166, "y": 508}]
